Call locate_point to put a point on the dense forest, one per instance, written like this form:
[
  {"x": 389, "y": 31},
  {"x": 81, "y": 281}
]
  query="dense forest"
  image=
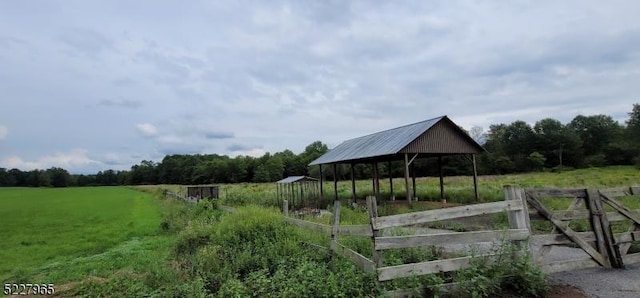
[{"x": 586, "y": 141}]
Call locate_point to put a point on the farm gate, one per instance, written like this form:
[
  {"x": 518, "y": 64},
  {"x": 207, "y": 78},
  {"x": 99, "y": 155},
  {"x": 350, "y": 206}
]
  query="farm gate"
[{"x": 595, "y": 221}]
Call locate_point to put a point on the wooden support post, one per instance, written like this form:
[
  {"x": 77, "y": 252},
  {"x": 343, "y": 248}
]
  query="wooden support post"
[
  {"x": 321, "y": 182},
  {"x": 285, "y": 208},
  {"x": 406, "y": 177},
  {"x": 353, "y": 185},
  {"x": 393, "y": 197},
  {"x": 372, "y": 209},
  {"x": 302, "y": 200},
  {"x": 376, "y": 179},
  {"x": 475, "y": 177},
  {"x": 442, "y": 199},
  {"x": 413, "y": 180},
  {"x": 335, "y": 181}
]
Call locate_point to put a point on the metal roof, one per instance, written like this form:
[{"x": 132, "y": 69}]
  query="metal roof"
[
  {"x": 292, "y": 179},
  {"x": 384, "y": 143}
]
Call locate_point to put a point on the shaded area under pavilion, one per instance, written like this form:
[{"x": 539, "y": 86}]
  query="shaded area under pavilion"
[{"x": 435, "y": 137}]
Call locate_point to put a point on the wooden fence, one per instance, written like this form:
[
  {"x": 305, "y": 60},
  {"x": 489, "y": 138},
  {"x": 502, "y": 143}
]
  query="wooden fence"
[
  {"x": 518, "y": 231},
  {"x": 335, "y": 229},
  {"x": 601, "y": 245}
]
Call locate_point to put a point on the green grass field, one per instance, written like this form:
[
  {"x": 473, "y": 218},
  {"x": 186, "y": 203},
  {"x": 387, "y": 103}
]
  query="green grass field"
[
  {"x": 55, "y": 235},
  {"x": 119, "y": 241}
]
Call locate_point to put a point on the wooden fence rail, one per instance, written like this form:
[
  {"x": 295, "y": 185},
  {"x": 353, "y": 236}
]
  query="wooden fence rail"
[{"x": 519, "y": 230}]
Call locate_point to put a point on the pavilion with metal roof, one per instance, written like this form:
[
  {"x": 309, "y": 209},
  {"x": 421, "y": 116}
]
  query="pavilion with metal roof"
[
  {"x": 435, "y": 137},
  {"x": 297, "y": 190}
]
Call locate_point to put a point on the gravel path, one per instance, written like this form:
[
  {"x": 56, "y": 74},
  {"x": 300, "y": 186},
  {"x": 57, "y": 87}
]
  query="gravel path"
[{"x": 600, "y": 282}]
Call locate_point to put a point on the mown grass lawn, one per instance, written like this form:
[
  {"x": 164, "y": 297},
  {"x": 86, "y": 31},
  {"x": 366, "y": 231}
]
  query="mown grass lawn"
[{"x": 62, "y": 234}]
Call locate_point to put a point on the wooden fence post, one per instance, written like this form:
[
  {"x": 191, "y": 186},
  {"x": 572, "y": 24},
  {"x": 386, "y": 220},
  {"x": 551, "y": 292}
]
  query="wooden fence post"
[
  {"x": 285, "y": 208},
  {"x": 519, "y": 219},
  {"x": 335, "y": 221},
  {"x": 372, "y": 208},
  {"x": 600, "y": 225}
]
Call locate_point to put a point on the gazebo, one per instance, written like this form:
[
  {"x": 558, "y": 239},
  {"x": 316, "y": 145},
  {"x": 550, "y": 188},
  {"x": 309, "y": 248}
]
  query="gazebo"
[
  {"x": 297, "y": 190},
  {"x": 435, "y": 137}
]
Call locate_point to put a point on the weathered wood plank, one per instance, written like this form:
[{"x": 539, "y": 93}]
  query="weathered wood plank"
[
  {"x": 446, "y": 213},
  {"x": 579, "y": 214},
  {"x": 335, "y": 220},
  {"x": 555, "y": 192},
  {"x": 597, "y": 227},
  {"x": 612, "y": 249},
  {"x": 568, "y": 265},
  {"x": 614, "y": 193},
  {"x": 383, "y": 243},
  {"x": 356, "y": 230},
  {"x": 361, "y": 261},
  {"x": 565, "y": 229},
  {"x": 632, "y": 258},
  {"x": 309, "y": 225},
  {"x": 634, "y": 234},
  {"x": 417, "y": 269},
  {"x": 561, "y": 239},
  {"x": 622, "y": 209}
]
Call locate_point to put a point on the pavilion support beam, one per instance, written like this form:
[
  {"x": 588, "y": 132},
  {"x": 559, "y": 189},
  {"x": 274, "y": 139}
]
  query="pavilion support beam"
[
  {"x": 406, "y": 177},
  {"x": 335, "y": 181},
  {"x": 393, "y": 197},
  {"x": 442, "y": 199},
  {"x": 321, "y": 187},
  {"x": 376, "y": 178},
  {"x": 413, "y": 180},
  {"x": 475, "y": 177},
  {"x": 353, "y": 185}
]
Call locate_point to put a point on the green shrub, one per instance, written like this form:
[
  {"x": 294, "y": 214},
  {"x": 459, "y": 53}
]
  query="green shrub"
[{"x": 512, "y": 270}]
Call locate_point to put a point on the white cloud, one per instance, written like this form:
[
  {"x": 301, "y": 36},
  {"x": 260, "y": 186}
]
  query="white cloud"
[
  {"x": 147, "y": 129},
  {"x": 4, "y": 131},
  {"x": 74, "y": 160}
]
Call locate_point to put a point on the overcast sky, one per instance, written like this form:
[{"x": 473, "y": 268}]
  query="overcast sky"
[{"x": 94, "y": 85}]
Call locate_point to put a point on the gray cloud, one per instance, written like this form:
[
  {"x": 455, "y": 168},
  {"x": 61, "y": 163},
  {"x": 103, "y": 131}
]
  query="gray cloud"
[
  {"x": 86, "y": 41},
  {"x": 240, "y": 147},
  {"x": 214, "y": 76},
  {"x": 218, "y": 135},
  {"x": 121, "y": 102}
]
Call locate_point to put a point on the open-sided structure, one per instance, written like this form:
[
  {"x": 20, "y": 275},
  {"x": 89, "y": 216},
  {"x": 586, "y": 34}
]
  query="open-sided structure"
[
  {"x": 297, "y": 190},
  {"x": 435, "y": 137},
  {"x": 199, "y": 192}
]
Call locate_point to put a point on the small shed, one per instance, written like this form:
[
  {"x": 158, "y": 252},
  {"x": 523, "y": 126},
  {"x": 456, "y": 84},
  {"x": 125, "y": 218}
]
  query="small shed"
[
  {"x": 199, "y": 192},
  {"x": 298, "y": 190}
]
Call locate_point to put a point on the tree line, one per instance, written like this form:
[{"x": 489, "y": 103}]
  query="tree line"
[{"x": 585, "y": 141}]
